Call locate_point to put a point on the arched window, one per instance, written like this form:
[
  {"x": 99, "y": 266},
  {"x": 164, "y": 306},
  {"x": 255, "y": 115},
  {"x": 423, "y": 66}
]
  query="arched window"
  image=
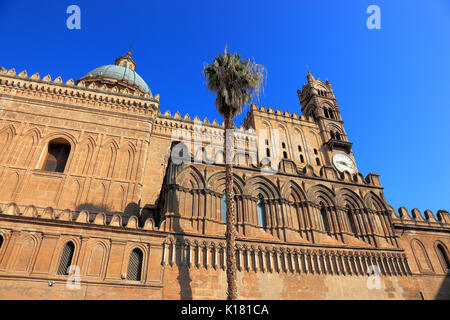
[
  {"x": 267, "y": 142},
  {"x": 299, "y": 149},
  {"x": 350, "y": 220},
  {"x": 66, "y": 258},
  {"x": 331, "y": 113},
  {"x": 224, "y": 208},
  {"x": 135, "y": 265},
  {"x": 302, "y": 160},
  {"x": 268, "y": 152},
  {"x": 285, "y": 155},
  {"x": 283, "y": 145},
  {"x": 318, "y": 161},
  {"x": 323, "y": 215},
  {"x": 444, "y": 256},
  {"x": 261, "y": 210},
  {"x": 58, "y": 151},
  {"x": 315, "y": 151},
  {"x": 325, "y": 111},
  {"x": 332, "y": 135},
  {"x": 338, "y": 136}
]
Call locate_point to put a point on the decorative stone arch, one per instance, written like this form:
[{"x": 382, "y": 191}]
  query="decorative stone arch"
[
  {"x": 372, "y": 201},
  {"x": 421, "y": 256},
  {"x": 28, "y": 144},
  {"x": 377, "y": 206},
  {"x": 126, "y": 155},
  {"x": 334, "y": 127},
  {"x": 299, "y": 140},
  {"x": 291, "y": 190},
  {"x": 92, "y": 259},
  {"x": 443, "y": 255},
  {"x": 83, "y": 160},
  {"x": 190, "y": 177},
  {"x": 216, "y": 182},
  {"x": 346, "y": 196},
  {"x": 296, "y": 215},
  {"x": 11, "y": 185},
  {"x": 322, "y": 193},
  {"x": 108, "y": 151},
  {"x": 26, "y": 254},
  {"x": 261, "y": 185},
  {"x": 288, "y": 141},
  {"x": 7, "y": 135},
  {"x": 317, "y": 145}
]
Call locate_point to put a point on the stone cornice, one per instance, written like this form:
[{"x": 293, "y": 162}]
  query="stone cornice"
[{"x": 96, "y": 97}]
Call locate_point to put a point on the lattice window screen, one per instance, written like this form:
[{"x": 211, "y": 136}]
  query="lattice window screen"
[
  {"x": 135, "y": 265},
  {"x": 66, "y": 258}
]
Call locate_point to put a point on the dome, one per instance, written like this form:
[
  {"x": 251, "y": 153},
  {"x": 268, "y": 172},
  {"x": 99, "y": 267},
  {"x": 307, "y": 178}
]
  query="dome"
[
  {"x": 122, "y": 73},
  {"x": 119, "y": 73}
]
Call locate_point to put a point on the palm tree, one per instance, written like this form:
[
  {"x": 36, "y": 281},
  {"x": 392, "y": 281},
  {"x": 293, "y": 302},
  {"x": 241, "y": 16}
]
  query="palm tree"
[{"x": 235, "y": 81}]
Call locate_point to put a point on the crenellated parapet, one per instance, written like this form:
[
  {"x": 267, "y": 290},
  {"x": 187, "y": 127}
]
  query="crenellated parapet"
[
  {"x": 200, "y": 132},
  {"x": 276, "y": 115},
  {"x": 78, "y": 217},
  {"x": 417, "y": 220},
  {"x": 80, "y": 94}
]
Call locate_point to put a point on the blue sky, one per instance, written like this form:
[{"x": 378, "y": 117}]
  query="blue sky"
[{"x": 392, "y": 85}]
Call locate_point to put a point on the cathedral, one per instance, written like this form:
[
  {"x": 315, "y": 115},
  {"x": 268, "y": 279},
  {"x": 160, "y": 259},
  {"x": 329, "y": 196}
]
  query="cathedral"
[{"x": 103, "y": 196}]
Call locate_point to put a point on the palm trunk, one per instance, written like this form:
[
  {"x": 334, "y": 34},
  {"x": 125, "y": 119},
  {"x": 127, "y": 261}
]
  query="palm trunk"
[{"x": 230, "y": 234}]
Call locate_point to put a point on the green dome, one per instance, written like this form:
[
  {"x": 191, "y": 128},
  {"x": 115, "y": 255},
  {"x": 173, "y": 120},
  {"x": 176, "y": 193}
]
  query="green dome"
[{"x": 119, "y": 73}]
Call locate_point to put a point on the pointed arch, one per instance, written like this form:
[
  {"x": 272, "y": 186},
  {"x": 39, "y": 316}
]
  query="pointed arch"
[
  {"x": 443, "y": 255},
  {"x": 372, "y": 201},
  {"x": 84, "y": 155},
  {"x": 27, "y": 250},
  {"x": 118, "y": 199},
  {"x": 70, "y": 197},
  {"x": 66, "y": 258},
  {"x": 190, "y": 177},
  {"x": 261, "y": 185},
  {"x": 107, "y": 158},
  {"x": 27, "y": 147},
  {"x": 421, "y": 256},
  {"x": 10, "y": 185},
  {"x": 125, "y": 161},
  {"x": 346, "y": 196},
  {"x": 216, "y": 182},
  {"x": 97, "y": 196},
  {"x": 7, "y": 134},
  {"x": 293, "y": 192},
  {"x": 96, "y": 260},
  {"x": 322, "y": 193}
]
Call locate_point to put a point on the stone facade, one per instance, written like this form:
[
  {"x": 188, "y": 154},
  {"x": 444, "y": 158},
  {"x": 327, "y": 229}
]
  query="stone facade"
[{"x": 306, "y": 230}]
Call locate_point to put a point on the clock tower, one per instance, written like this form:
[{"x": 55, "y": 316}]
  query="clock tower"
[{"x": 318, "y": 102}]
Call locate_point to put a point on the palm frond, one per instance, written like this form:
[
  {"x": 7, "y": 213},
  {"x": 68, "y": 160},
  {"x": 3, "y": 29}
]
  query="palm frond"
[{"x": 236, "y": 81}]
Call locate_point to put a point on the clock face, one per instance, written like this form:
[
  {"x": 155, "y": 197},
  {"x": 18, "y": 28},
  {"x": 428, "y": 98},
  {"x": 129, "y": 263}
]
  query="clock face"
[{"x": 343, "y": 162}]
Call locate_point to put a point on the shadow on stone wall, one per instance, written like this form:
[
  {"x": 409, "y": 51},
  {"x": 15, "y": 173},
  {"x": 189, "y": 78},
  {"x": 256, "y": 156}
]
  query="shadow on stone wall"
[
  {"x": 444, "y": 290},
  {"x": 184, "y": 277},
  {"x": 131, "y": 209}
]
